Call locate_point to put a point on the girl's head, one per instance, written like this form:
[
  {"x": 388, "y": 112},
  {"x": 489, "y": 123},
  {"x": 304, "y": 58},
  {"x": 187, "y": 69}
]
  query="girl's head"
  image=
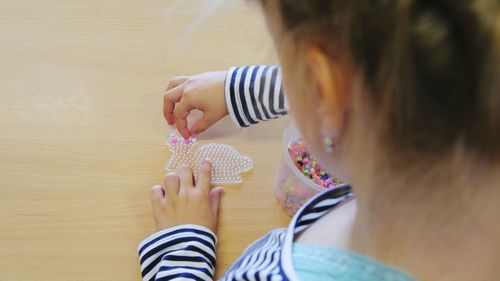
[{"x": 394, "y": 82}]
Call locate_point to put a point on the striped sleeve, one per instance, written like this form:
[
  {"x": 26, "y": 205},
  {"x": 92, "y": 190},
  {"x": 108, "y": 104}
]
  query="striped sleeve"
[
  {"x": 185, "y": 252},
  {"x": 254, "y": 94}
]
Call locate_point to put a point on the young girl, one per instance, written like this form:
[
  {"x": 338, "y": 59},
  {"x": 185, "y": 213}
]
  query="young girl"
[{"x": 406, "y": 93}]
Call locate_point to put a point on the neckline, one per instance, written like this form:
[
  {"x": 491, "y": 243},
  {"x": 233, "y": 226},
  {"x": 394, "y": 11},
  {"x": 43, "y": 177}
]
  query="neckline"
[
  {"x": 352, "y": 261},
  {"x": 286, "y": 252}
]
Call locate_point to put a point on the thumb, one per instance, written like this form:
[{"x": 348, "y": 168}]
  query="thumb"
[
  {"x": 215, "y": 198},
  {"x": 201, "y": 124}
]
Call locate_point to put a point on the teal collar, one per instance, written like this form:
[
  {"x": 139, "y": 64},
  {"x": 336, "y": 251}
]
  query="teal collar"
[{"x": 316, "y": 262}]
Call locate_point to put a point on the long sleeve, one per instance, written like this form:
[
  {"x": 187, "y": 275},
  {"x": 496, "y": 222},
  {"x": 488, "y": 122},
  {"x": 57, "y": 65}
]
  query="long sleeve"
[
  {"x": 254, "y": 94},
  {"x": 185, "y": 252}
]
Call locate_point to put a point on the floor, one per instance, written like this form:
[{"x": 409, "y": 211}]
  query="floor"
[{"x": 82, "y": 134}]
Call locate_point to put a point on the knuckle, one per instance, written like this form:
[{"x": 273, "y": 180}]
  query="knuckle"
[
  {"x": 178, "y": 113},
  {"x": 204, "y": 194},
  {"x": 168, "y": 98},
  {"x": 189, "y": 82},
  {"x": 172, "y": 82},
  {"x": 188, "y": 93},
  {"x": 180, "y": 201},
  {"x": 204, "y": 183},
  {"x": 187, "y": 96},
  {"x": 198, "y": 194}
]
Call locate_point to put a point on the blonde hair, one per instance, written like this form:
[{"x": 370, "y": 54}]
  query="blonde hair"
[
  {"x": 426, "y": 107},
  {"x": 430, "y": 69}
]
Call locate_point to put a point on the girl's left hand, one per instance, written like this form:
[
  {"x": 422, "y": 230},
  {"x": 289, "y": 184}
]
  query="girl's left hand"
[{"x": 181, "y": 201}]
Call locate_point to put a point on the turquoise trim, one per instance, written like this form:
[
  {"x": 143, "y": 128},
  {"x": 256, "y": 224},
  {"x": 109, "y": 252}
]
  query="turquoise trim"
[{"x": 321, "y": 263}]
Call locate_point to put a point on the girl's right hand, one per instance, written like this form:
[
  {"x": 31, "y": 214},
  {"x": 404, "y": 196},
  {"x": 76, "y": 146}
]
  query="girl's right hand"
[{"x": 204, "y": 92}]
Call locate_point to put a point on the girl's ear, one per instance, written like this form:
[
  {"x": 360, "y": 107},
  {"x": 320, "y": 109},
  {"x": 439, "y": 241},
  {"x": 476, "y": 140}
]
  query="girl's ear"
[{"x": 331, "y": 80}]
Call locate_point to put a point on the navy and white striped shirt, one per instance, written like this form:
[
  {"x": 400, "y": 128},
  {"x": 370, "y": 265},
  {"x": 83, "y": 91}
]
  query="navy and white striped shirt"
[
  {"x": 187, "y": 252},
  {"x": 254, "y": 93}
]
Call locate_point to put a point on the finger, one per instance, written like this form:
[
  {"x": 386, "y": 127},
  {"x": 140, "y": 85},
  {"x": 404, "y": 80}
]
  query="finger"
[
  {"x": 204, "y": 175},
  {"x": 201, "y": 125},
  {"x": 181, "y": 112},
  {"x": 215, "y": 199},
  {"x": 156, "y": 195},
  {"x": 170, "y": 98},
  {"x": 176, "y": 81},
  {"x": 185, "y": 176},
  {"x": 171, "y": 184}
]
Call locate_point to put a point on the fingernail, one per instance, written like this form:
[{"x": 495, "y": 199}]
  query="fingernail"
[{"x": 206, "y": 160}]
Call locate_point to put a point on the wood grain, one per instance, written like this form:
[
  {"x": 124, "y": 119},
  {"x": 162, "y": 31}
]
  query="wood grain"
[{"x": 82, "y": 131}]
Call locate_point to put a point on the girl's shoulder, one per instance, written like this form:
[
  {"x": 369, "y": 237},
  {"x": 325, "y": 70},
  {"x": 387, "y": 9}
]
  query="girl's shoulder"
[{"x": 333, "y": 229}]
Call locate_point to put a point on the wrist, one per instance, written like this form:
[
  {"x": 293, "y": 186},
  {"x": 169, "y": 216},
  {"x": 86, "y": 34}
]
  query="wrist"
[{"x": 179, "y": 228}]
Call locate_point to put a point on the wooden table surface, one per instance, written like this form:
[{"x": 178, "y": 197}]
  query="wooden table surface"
[{"x": 82, "y": 133}]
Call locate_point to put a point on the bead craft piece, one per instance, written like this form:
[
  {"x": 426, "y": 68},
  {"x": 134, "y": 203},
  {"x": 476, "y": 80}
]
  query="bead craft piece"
[{"x": 227, "y": 163}]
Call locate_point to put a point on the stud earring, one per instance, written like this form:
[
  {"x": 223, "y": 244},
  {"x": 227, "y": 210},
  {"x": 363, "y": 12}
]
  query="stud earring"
[{"x": 330, "y": 141}]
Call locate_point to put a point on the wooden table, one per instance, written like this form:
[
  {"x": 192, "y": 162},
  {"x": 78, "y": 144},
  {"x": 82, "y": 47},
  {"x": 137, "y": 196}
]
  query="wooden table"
[{"x": 82, "y": 134}]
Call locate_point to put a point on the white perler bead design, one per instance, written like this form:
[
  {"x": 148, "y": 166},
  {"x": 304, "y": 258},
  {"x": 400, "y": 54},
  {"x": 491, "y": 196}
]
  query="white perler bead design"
[{"x": 227, "y": 163}]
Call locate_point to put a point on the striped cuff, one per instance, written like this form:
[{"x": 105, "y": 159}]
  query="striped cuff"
[
  {"x": 254, "y": 94},
  {"x": 186, "y": 252}
]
